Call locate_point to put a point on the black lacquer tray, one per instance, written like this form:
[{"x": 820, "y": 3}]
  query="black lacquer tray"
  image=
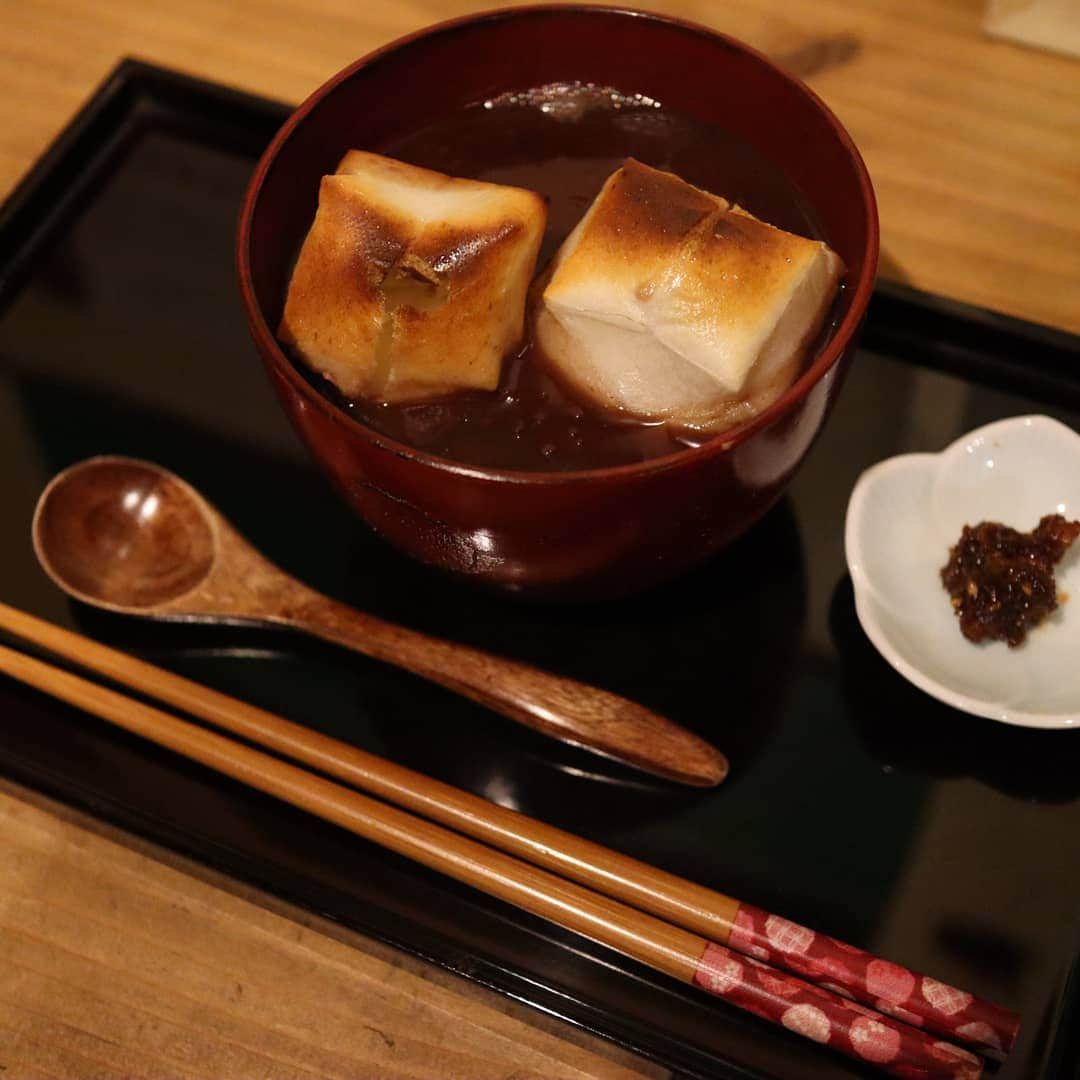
[{"x": 856, "y": 804}]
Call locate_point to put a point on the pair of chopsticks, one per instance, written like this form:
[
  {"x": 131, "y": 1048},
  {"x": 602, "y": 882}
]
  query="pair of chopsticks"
[{"x": 687, "y": 931}]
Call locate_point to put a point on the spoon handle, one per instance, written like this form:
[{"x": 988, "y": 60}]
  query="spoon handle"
[{"x": 563, "y": 708}]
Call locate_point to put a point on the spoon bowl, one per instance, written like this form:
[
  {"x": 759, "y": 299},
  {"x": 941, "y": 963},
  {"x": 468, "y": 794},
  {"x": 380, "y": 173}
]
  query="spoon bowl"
[
  {"x": 130, "y": 537},
  {"x": 124, "y": 535}
]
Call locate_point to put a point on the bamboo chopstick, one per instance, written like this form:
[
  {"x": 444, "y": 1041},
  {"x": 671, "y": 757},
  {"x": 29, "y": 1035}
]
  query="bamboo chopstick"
[
  {"x": 879, "y": 983},
  {"x": 808, "y": 1010}
]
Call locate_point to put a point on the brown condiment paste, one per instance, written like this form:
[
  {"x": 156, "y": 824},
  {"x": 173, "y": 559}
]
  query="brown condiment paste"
[{"x": 1001, "y": 581}]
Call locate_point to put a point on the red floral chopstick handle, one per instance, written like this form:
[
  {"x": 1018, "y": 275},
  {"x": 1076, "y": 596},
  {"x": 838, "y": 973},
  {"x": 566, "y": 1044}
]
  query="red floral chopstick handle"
[
  {"x": 916, "y": 999},
  {"x": 820, "y": 1015}
]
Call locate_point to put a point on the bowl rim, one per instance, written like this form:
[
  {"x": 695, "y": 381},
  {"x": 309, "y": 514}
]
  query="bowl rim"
[{"x": 824, "y": 362}]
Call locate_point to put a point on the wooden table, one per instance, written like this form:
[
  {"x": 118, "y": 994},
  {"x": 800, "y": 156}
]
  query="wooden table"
[
  {"x": 118, "y": 961},
  {"x": 972, "y": 143}
]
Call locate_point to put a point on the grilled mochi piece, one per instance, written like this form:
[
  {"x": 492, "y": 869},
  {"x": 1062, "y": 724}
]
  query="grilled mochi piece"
[
  {"x": 669, "y": 303},
  {"x": 411, "y": 284}
]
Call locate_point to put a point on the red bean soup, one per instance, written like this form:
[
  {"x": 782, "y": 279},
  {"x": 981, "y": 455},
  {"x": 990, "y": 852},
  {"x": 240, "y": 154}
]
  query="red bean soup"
[{"x": 563, "y": 141}]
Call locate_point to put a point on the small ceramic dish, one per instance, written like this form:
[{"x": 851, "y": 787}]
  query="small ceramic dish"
[{"x": 905, "y": 514}]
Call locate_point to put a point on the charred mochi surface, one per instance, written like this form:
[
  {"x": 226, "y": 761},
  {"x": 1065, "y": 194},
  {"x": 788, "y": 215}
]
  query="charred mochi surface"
[
  {"x": 411, "y": 284},
  {"x": 669, "y": 303}
]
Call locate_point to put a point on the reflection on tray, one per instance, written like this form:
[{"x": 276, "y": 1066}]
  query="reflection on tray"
[
  {"x": 725, "y": 672},
  {"x": 907, "y": 729}
]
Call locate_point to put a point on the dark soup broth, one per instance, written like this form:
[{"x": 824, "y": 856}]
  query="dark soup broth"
[{"x": 563, "y": 142}]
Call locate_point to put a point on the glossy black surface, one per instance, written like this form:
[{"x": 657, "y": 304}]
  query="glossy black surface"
[{"x": 856, "y": 804}]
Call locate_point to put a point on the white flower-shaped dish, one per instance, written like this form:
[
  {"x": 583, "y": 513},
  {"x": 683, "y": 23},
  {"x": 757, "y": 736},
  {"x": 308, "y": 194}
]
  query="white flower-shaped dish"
[{"x": 902, "y": 519}]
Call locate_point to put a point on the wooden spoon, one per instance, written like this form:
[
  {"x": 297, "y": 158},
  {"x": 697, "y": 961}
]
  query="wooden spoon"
[{"x": 130, "y": 537}]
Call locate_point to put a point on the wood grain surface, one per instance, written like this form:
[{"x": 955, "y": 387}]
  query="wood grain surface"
[
  {"x": 119, "y": 961},
  {"x": 971, "y": 141}
]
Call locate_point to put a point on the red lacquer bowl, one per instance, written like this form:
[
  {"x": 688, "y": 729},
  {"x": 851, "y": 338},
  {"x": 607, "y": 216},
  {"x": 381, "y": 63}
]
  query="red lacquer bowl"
[{"x": 586, "y": 533}]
